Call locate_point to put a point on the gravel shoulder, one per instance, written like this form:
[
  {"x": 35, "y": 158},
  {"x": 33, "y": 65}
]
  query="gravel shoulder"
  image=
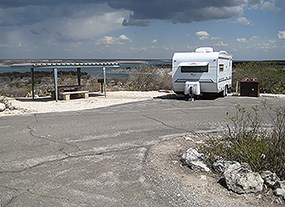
[{"x": 40, "y": 105}]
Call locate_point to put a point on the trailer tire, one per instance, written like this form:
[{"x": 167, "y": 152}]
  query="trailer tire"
[
  {"x": 190, "y": 96},
  {"x": 224, "y": 93}
]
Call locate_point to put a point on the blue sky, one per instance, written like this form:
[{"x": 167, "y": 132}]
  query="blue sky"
[{"x": 45, "y": 29}]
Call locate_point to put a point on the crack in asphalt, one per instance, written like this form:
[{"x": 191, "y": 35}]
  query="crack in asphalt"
[
  {"x": 167, "y": 125},
  {"x": 11, "y": 200},
  {"x": 105, "y": 136},
  {"x": 33, "y": 193},
  {"x": 31, "y": 130},
  {"x": 39, "y": 137},
  {"x": 68, "y": 156},
  {"x": 9, "y": 188},
  {"x": 36, "y": 118},
  {"x": 53, "y": 197}
]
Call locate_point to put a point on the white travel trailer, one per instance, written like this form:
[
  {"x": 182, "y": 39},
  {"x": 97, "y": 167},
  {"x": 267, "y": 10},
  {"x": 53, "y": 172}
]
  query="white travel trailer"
[{"x": 202, "y": 71}]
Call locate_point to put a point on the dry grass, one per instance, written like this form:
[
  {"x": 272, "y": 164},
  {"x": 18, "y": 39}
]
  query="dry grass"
[{"x": 247, "y": 140}]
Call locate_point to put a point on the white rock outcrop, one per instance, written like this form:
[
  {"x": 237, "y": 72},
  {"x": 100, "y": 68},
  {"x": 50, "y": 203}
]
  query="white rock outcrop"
[
  {"x": 194, "y": 160},
  {"x": 2, "y": 107}
]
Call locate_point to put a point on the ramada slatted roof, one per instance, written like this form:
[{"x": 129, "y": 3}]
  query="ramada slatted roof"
[{"x": 66, "y": 64}]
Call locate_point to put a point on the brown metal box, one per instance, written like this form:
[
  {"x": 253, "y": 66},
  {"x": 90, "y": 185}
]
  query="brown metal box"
[{"x": 249, "y": 87}]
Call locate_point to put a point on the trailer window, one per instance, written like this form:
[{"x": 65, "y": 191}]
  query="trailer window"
[
  {"x": 221, "y": 67},
  {"x": 194, "y": 69}
]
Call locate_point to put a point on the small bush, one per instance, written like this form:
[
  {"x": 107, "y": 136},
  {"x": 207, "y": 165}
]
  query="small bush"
[
  {"x": 149, "y": 78},
  {"x": 248, "y": 140}
]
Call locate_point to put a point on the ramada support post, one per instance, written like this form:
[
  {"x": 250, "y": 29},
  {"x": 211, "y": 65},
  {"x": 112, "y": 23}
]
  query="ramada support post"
[
  {"x": 55, "y": 84},
  {"x": 78, "y": 76},
  {"x": 104, "y": 75},
  {"x": 33, "y": 82}
]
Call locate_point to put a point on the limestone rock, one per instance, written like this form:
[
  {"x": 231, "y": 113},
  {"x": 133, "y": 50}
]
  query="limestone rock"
[
  {"x": 221, "y": 165},
  {"x": 279, "y": 188},
  {"x": 240, "y": 179},
  {"x": 199, "y": 165},
  {"x": 190, "y": 155},
  {"x": 194, "y": 160},
  {"x": 279, "y": 192},
  {"x": 2, "y": 107},
  {"x": 269, "y": 178},
  {"x": 279, "y": 184}
]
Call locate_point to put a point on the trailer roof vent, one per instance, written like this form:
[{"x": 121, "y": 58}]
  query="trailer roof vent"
[
  {"x": 204, "y": 50},
  {"x": 223, "y": 52}
]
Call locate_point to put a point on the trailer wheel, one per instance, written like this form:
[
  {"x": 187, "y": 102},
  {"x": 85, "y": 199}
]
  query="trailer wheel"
[
  {"x": 187, "y": 97},
  {"x": 224, "y": 93},
  {"x": 190, "y": 96}
]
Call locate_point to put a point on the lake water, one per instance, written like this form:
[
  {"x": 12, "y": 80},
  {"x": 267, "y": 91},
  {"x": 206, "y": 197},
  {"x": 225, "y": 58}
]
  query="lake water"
[{"x": 121, "y": 72}]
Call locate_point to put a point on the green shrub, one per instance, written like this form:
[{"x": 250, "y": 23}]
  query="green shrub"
[
  {"x": 270, "y": 75},
  {"x": 248, "y": 140}
]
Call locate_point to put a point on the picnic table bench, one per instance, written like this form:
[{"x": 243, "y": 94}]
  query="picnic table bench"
[
  {"x": 66, "y": 91},
  {"x": 66, "y": 95}
]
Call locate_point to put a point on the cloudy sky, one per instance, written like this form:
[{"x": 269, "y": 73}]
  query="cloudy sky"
[{"x": 248, "y": 29}]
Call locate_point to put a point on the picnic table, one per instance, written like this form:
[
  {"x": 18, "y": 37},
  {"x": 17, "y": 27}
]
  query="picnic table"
[{"x": 67, "y": 91}]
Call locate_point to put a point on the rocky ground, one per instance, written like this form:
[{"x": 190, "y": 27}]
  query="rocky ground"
[{"x": 164, "y": 161}]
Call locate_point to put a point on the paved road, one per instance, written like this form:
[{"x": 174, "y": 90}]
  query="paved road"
[{"x": 101, "y": 157}]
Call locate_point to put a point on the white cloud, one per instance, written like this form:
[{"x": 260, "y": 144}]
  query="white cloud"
[
  {"x": 221, "y": 44},
  {"x": 106, "y": 40},
  {"x": 262, "y": 43},
  {"x": 123, "y": 38},
  {"x": 243, "y": 20},
  {"x": 20, "y": 12},
  {"x": 110, "y": 40},
  {"x": 186, "y": 11},
  {"x": 281, "y": 35},
  {"x": 242, "y": 40},
  {"x": 215, "y": 38},
  {"x": 141, "y": 49},
  {"x": 71, "y": 28},
  {"x": 269, "y": 6},
  {"x": 135, "y": 22},
  {"x": 33, "y": 28},
  {"x": 266, "y": 45},
  {"x": 254, "y": 37},
  {"x": 88, "y": 27},
  {"x": 202, "y": 35},
  {"x": 154, "y": 41}
]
